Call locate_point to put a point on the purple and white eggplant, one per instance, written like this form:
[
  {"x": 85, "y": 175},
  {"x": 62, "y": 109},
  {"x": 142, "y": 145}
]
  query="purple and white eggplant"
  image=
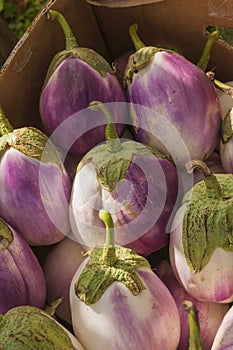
[
  {"x": 201, "y": 252},
  {"x": 226, "y": 142},
  {"x": 59, "y": 267},
  {"x": 22, "y": 280},
  {"x": 35, "y": 185},
  {"x": 136, "y": 184},
  {"x": 77, "y": 76},
  {"x": 224, "y": 336},
  {"x": 182, "y": 104},
  {"x": 210, "y": 314},
  {"x": 117, "y": 301}
]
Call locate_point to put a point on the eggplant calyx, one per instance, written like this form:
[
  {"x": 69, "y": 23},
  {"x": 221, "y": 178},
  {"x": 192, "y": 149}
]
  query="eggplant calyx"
[
  {"x": 6, "y": 235},
  {"x": 208, "y": 221},
  {"x": 227, "y": 127},
  {"x": 139, "y": 60},
  {"x": 108, "y": 264},
  {"x": 5, "y": 126}
]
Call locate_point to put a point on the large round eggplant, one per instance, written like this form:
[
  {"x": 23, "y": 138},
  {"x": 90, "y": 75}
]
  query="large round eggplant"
[
  {"x": 35, "y": 185},
  {"x": 22, "y": 281},
  {"x": 77, "y": 76},
  {"x": 137, "y": 184},
  {"x": 182, "y": 103}
]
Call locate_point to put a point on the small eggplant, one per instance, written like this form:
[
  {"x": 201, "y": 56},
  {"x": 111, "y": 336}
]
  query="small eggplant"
[
  {"x": 35, "y": 185},
  {"x": 29, "y": 328},
  {"x": 21, "y": 277},
  {"x": 210, "y": 314},
  {"x": 75, "y": 77},
  {"x": 118, "y": 302},
  {"x": 137, "y": 184},
  {"x": 183, "y": 110},
  {"x": 201, "y": 249},
  {"x": 59, "y": 267}
]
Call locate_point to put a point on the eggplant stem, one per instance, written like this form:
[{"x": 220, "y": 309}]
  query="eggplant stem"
[
  {"x": 138, "y": 43},
  {"x": 212, "y": 185},
  {"x": 205, "y": 57},
  {"x": 113, "y": 142},
  {"x": 194, "y": 326},
  {"x": 109, "y": 253},
  {"x": 5, "y": 125},
  {"x": 71, "y": 42}
]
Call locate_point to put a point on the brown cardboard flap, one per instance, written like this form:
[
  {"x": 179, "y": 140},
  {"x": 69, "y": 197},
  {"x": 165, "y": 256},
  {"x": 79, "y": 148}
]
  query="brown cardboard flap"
[
  {"x": 22, "y": 75},
  {"x": 178, "y": 23}
]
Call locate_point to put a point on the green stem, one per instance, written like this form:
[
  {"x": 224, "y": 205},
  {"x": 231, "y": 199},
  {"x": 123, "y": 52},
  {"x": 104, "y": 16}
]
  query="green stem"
[
  {"x": 138, "y": 43},
  {"x": 205, "y": 57},
  {"x": 224, "y": 87},
  {"x": 109, "y": 253},
  {"x": 194, "y": 327},
  {"x": 212, "y": 185},
  {"x": 71, "y": 42},
  {"x": 112, "y": 140},
  {"x": 5, "y": 126}
]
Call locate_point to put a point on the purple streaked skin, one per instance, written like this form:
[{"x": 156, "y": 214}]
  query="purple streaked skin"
[
  {"x": 22, "y": 280},
  {"x": 141, "y": 205},
  {"x": 224, "y": 336},
  {"x": 70, "y": 89},
  {"x": 214, "y": 283},
  {"x": 30, "y": 190},
  {"x": 210, "y": 314},
  {"x": 119, "y": 320},
  {"x": 182, "y": 94}
]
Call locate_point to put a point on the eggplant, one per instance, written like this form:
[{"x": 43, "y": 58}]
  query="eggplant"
[
  {"x": 182, "y": 117},
  {"x": 21, "y": 275},
  {"x": 75, "y": 77},
  {"x": 29, "y": 328},
  {"x": 117, "y": 301},
  {"x": 210, "y": 315},
  {"x": 201, "y": 252},
  {"x": 137, "y": 184},
  {"x": 226, "y": 142},
  {"x": 59, "y": 266},
  {"x": 35, "y": 185}
]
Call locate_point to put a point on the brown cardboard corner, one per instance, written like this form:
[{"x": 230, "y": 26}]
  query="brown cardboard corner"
[{"x": 23, "y": 73}]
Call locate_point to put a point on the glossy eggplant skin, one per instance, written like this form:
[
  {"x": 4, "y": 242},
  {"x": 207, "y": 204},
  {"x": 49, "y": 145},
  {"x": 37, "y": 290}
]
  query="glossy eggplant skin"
[
  {"x": 183, "y": 106},
  {"x": 69, "y": 90},
  {"x": 22, "y": 281},
  {"x": 141, "y": 201},
  {"x": 34, "y": 197}
]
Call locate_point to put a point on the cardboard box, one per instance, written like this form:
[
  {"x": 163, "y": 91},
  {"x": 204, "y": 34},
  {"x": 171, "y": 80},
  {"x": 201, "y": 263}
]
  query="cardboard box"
[{"x": 177, "y": 23}]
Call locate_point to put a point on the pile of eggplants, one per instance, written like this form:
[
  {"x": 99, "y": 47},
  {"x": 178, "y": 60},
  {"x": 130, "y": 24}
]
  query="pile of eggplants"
[{"x": 116, "y": 219}]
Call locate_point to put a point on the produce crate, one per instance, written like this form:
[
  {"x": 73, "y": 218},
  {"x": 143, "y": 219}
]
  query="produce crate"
[{"x": 180, "y": 24}]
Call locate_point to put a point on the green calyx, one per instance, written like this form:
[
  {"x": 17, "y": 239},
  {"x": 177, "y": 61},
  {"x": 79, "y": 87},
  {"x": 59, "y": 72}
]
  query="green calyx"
[
  {"x": 208, "y": 219},
  {"x": 6, "y": 235},
  {"x": 31, "y": 142},
  {"x": 107, "y": 265},
  {"x": 89, "y": 56},
  {"x": 112, "y": 159},
  {"x": 227, "y": 127},
  {"x": 27, "y": 328}
]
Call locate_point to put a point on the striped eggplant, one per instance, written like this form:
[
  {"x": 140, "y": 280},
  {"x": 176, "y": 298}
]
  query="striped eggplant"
[{"x": 117, "y": 301}]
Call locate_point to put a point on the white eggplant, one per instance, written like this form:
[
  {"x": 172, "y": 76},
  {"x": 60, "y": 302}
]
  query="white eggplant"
[{"x": 117, "y": 301}]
